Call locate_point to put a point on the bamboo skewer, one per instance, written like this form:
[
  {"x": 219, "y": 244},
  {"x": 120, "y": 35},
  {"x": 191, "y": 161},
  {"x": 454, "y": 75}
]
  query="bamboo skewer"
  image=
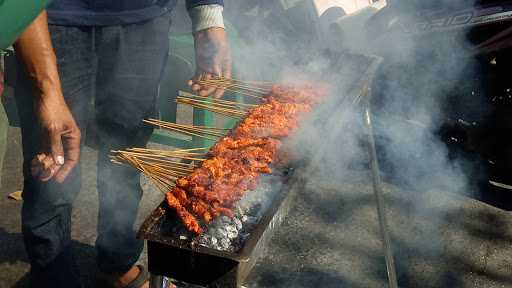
[
  {"x": 152, "y": 156},
  {"x": 160, "y": 183},
  {"x": 226, "y": 112},
  {"x": 156, "y": 157},
  {"x": 233, "y": 103},
  {"x": 164, "y": 167},
  {"x": 260, "y": 87},
  {"x": 232, "y": 109},
  {"x": 187, "y": 129},
  {"x": 236, "y": 86},
  {"x": 170, "y": 152},
  {"x": 190, "y": 133},
  {"x": 243, "y": 82},
  {"x": 160, "y": 166},
  {"x": 254, "y": 94},
  {"x": 217, "y": 104}
]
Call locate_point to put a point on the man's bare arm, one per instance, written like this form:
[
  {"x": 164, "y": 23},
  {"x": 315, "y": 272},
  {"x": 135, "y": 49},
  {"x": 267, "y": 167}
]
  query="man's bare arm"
[{"x": 61, "y": 136}]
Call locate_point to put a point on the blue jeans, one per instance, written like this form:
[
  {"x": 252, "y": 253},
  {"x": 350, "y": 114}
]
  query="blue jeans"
[{"x": 113, "y": 73}]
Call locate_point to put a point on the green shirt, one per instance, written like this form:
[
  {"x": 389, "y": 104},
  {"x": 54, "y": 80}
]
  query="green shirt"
[{"x": 15, "y": 16}]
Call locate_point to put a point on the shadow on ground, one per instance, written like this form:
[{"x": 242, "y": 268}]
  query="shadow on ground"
[
  {"x": 331, "y": 238},
  {"x": 12, "y": 254}
]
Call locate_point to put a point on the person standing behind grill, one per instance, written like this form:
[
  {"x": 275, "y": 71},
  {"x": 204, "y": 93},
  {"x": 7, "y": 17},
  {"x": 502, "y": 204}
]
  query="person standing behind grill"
[{"x": 116, "y": 51}]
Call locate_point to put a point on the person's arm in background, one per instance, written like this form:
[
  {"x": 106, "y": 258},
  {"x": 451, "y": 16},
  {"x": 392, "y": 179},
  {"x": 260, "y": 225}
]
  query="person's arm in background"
[
  {"x": 61, "y": 136},
  {"x": 213, "y": 58}
]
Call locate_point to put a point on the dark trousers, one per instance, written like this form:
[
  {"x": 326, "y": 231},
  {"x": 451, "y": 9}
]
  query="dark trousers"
[{"x": 112, "y": 73}]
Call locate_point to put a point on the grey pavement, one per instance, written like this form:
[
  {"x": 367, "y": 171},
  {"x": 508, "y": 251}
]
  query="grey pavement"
[{"x": 330, "y": 239}]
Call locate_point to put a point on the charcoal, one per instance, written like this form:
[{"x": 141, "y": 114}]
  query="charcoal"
[
  {"x": 231, "y": 232},
  {"x": 231, "y": 229},
  {"x": 220, "y": 233},
  {"x": 238, "y": 223},
  {"x": 225, "y": 233},
  {"x": 232, "y": 235},
  {"x": 224, "y": 244},
  {"x": 204, "y": 241}
]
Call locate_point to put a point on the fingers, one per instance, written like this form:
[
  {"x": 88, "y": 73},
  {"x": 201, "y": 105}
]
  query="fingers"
[
  {"x": 43, "y": 167},
  {"x": 50, "y": 168},
  {"x": 71, "y": 141},
  {"x": 219, "y": 93},
  {"x": 46, "y": 166},
  {"x": 56, "y": 147},
  {"x": 202, "y": 90},
  {"x": 193, "y": 84},
  {"x": 205, "y": 90},
  {"x": 36, "y": 166},
  {"x": 226, "y": 74},
  {"x": 228, "y": 70}
]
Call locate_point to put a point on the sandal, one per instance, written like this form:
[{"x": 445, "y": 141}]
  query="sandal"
[
  {"x": 141, "y": 279},
  {"x": 105, "y": 281}
]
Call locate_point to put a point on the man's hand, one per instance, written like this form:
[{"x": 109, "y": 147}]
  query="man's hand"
[
  {"x": 61, "y": 141},
  {"x": 213, "y": 60},
  {"x": 60, "y": 134}
]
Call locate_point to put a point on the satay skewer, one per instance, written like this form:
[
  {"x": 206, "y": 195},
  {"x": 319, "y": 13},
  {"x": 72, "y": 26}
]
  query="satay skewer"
[
  {"x": 226, "y": 112},
  {"x": 234, "y": 110},
  {"x": 188, "y": 129},
  {"x": 217, "y": 104},
  {"x": 238, "y": 84},
  {"x": 229, "y": 102},
  {"x": 157, "y": 157}
]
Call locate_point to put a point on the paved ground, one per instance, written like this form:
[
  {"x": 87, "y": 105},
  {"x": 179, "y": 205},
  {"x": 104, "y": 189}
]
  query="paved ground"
[{"x": 330, "y": 239}]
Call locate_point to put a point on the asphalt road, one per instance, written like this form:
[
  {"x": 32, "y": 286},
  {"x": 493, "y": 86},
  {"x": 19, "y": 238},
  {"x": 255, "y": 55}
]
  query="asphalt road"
[{"x": 330, "y": 239}]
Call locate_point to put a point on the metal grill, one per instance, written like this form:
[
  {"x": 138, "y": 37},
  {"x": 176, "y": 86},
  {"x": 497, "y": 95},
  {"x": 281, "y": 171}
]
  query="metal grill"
[{"x": 173, "y": 254}]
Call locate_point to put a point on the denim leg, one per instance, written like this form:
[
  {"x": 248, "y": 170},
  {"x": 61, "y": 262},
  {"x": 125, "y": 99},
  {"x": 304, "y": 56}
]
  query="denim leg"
[
  {"x": 46, "y": 212},
  {"x": 130, "y": 63}
]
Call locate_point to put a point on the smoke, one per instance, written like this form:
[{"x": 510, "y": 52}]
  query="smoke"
[
  {"x": 408, "y": 101},
  {"x": 409, "y": 92}
]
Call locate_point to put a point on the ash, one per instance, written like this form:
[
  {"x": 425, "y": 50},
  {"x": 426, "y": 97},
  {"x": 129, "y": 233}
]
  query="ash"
[{"x": 229, "y": 234}]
